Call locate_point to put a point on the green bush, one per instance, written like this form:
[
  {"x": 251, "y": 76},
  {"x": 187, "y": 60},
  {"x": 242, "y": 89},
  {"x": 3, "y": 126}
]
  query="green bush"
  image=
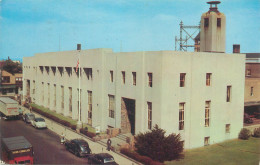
[
  {"x": 244, "y": 134},
  {"x": 139, "y": 158},
  {"x": 157, "y": 146},
  {"x": 256, "y": 132}
]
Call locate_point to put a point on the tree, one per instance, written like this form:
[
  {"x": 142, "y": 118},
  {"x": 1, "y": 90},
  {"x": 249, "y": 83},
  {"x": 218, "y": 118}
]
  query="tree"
[
  {"x": 157, "y": 146},
  {"x": 12, "y": 67}
]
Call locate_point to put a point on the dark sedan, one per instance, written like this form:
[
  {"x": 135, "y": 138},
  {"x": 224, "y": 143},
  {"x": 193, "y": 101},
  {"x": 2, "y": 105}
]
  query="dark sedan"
[
  {"x": 102, "y": 158},
  {"x": 79, "y": 147}
]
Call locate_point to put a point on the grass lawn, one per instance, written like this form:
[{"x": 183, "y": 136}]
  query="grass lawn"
[
  {"x": 60, "y": 116},
  {"x": 233, "y": 152}
]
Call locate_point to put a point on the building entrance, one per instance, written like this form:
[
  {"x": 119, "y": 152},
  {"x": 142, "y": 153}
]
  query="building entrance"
[{"x": 127, "y": 115}]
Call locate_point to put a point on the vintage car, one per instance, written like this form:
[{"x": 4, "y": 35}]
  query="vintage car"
[
  {"x": 39, "y": 123},
  {"x": 102, "y": 158},
  {"x": 79, "y": 147}
]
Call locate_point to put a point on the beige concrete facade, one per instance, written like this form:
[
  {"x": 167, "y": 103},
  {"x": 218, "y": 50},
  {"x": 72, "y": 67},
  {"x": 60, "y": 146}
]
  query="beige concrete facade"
[
  {"x": 146, "y": 78},
  {"x": 213, "y": 33}
]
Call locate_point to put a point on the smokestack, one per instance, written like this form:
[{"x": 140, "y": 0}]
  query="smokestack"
[
  {"x": 236, "y": 48},
  {"x": 78, "y": 46}
]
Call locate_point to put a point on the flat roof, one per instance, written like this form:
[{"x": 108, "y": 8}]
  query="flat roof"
[
  {"x": 252, "y": 55},
  {"x": 8, "y": 100},
  {"x": 16, "y": 143}
]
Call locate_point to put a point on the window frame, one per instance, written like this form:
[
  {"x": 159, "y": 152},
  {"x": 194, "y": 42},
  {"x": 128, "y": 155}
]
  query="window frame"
[
  {"x": 227, "y": 128},
  {"x": 208, "y": 79},
  {"x": 111, "y": 106},
  {"x": 150, "y": 79},
  {"x": 181, "y": 115},
  {"x": 134, "y": 78},
  {"x": 207, "y": 141},
  {"x": 123, "y": 77},
  {"x": 149, "y": 108},
  {"x": 182, "y": 79},
  {"x": 229, "y": 93},
  {"x": 207, "y": 113}
]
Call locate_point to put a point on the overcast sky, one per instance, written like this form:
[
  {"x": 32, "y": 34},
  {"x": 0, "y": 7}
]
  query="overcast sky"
[{"x": 33, "y": 26}]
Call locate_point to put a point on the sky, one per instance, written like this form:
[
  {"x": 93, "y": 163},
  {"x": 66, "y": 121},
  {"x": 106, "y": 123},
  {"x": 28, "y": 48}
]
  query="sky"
[{"x": 36, "y": 26}]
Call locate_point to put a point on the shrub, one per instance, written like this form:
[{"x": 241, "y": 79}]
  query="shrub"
[
  {"x": 256, "y": 132},
  {"x": 157, "y": 146},
  {"x": 244, "y": 134},
  {"x": 137, "y": 157},
  {"x": 74, "y": 127}
]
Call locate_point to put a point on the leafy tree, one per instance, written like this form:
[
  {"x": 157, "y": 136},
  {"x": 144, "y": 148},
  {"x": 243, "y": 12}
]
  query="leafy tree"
[
  {"x": 12, "y": 67},
  {"x": 157, "y": 146}
]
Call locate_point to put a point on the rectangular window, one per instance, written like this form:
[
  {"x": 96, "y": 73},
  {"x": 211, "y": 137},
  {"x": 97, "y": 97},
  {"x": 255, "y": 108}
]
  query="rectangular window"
[
  {"x": 252, "y": 91},
  {"x": 206, "y": 22},
  {"x": 111, "y": 106},
  {"x": 181, "y": 116},
  {"x": 206, "y": 141},
  {"x": 228, "y": 93},
  {"x": 182, "y": 79},
  {"x": 150, "y": 79},
  {"x": 89, "y": 73},
  {"x": 207, "y": 110},
  {"x": 248, "y": 72},
  {"x": 208, "y": 79},
  {"x": 227, "y": 128},
  {"x": 90, "y": 107},
  {"x": 218, "y": 22},
  {"x": 134, "y": 78},
  {"x": 149, "y": 105},
  {"x": 6, "y": 79},
  {"x": 123, "y": 77},
  {"x": 111, "y": 76}
]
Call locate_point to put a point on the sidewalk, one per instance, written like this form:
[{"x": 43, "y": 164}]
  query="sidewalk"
[{"x": 96, "y": 147}]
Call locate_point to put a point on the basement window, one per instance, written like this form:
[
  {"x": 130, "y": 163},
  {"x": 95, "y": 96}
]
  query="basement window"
[{"x": 206, "y": 141}]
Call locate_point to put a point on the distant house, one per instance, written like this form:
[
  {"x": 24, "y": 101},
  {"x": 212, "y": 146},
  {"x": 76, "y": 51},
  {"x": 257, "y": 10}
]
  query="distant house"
[
  {"x": 11, "y": 84},
  {"x": 252, "y": 83}
]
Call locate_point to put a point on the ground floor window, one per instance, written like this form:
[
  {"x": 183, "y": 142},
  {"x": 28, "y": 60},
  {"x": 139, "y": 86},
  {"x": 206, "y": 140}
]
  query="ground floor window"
[
  {"x": 111, "y": 106},
  {"x": 227, "y": 128},
  {"x": 206, "y": 141}
]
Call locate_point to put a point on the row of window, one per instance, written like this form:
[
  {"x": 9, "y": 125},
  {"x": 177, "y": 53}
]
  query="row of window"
[
  {"x": 206, "y": 22},
  {"x": 207, "y": 139}
]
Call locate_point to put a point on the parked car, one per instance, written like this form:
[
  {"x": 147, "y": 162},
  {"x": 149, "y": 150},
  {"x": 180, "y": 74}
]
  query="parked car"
[
  {"x": 247, "y": 119},
  {"x": 39, "y": 122},
  {"x": 102, "y": 158},
  {"x": 28, "y": 117},
  {"x": 79, "y": 147}
]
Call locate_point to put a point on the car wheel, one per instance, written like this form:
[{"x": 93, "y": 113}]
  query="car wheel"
[{"x": 77, "y": 154}]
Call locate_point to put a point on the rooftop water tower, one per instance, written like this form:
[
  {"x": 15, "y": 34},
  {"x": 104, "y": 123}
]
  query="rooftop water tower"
[{"x": 213, "y": 30}]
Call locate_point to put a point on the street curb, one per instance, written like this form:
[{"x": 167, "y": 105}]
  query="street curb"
[{"x": 84, "y": 137}]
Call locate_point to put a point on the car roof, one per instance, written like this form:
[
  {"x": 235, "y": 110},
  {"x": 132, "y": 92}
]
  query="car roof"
[
  {"x": 104, "y": 155},
  {"x": 79, "y": 141}
]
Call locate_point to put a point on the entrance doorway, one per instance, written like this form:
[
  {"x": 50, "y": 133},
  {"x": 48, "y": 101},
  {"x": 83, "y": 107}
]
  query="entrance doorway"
[{"x": 127, "y": 115}]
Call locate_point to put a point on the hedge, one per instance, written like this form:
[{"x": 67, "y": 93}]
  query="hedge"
[{"x": 143, "y": 159}]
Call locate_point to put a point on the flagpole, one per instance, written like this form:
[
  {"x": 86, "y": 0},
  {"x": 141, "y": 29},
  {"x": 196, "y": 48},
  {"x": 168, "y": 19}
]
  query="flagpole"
[{"x": 79, "y": 115}]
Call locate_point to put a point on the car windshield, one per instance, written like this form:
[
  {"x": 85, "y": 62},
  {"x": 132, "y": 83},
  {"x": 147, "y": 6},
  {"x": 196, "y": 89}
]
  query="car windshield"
[
  {"x": 107, "y": 160},
  {"x": 31, "y": 116},
  {"x": 39, "y": 120}
]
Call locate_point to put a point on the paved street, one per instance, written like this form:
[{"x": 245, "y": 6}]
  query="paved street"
[{"x": 46, "y": 144}]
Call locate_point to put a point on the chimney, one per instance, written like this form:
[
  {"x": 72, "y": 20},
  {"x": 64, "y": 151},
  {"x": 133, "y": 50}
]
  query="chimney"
[
  {"x": 78, "y": 46},
  {"x": 236, "y": 48}
]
